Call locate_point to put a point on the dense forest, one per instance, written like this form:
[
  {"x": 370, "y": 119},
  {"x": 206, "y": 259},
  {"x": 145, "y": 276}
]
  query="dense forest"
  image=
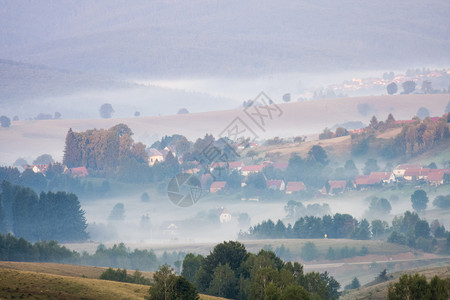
[{"x": 49, "y": 216}]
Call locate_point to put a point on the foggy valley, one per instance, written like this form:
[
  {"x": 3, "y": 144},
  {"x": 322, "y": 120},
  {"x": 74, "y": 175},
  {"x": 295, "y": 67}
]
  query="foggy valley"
[{"x": 224, "y": 150}]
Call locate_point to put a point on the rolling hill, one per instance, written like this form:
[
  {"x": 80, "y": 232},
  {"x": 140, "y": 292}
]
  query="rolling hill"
[
  {"x": 379, "y": 291},
  {"x": 57, "y": 281},
  {"x": 29, "y": 139},
  {"x": 172, "y": 38}
]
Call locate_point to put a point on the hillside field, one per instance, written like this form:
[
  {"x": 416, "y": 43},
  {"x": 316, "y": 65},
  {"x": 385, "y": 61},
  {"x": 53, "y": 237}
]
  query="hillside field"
[
  {"x": 57, "y": 281},
  {"x": 29, "y": 139}
]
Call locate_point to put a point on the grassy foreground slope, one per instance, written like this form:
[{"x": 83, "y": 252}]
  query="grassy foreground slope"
[
  {"x": 379, "y": 291},
  {"x": 59, "y": 281}
]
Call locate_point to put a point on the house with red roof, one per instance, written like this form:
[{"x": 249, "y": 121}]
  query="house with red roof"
[
  {"x": 78, "y": 172},
  {"x": 336, "y": 186},
  {"x": 245, "y": 170},
  {"x": 294, "y": 187},
  {"x": 37, "y": 168},
  {"x": 416, "y": 174},
  {"x": 231, "y": 165},
  {"x": 362, "y": 181},
  {"x": 381, "y": 177},
  {"x": 399, "y": 171},
  {"x": 217, "y": 186},
  {"x": 277, "y": 185},
  {"x": 154, "y": 155},
  {"x": 436, "y": 177}
]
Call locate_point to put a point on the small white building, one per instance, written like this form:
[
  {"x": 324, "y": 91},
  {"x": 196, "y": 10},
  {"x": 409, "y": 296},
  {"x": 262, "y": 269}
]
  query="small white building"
[{"x": 225, "y": 216}]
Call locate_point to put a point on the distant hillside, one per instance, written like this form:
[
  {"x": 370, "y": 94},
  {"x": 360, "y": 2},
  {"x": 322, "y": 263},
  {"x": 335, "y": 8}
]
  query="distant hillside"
[
  {"x": 379, "y": 291},
  {"x": 176, "y": 38},
  {"x": 28, "y": 89},
  {"x": 298, "y": 118},
  {"x": 20, "y": 81}
]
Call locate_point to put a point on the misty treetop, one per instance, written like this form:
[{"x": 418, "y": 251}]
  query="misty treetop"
[{"x": 49, "y": 216}]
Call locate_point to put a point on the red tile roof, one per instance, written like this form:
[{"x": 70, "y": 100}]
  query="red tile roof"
[
  {"x": 377, "y": 177},
  {"x": 295, "y": 186},
  {"x": 79, "y": 172},
  {"x": 417, "y": 172},
  {"x": 339, "y": 184},
  {"x": 407, "y": 166},
  {"x": 274, "y": 184},
  {"x": 362, "y": 180},
  {"x": 231, "y": 164},
  {"x": 252, "y": 168},
  {"x": 217, "y": 186},
  {"x": 436, "y": 175}
]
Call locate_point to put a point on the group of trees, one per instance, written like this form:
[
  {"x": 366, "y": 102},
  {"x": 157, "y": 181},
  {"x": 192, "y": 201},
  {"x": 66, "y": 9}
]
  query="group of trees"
[
  {"x": 102, "y": 149},
  {"x": 442, "y": 201},
  {"x": 416, "y": 138},
  {"x": 416, "y": 287},
  {"x": 407, "y": 229},
  {"x": 19, "y": 249},
  {"x": 170, "y": 286},
  {"x": 328, "y": 134},
  {"x": 361, "y": 141},
  {"x": 408, "y": 87},
  {"x": 410, "y": 230},
  {"x": 55, "y": 180},
  {"x": 117, "y": 256},
  {"x": 123, "y": 276},
  {"x": 230, "y": 271},
  {"x": 49, "y": 216},
  {"x": 339, "y": 226}
]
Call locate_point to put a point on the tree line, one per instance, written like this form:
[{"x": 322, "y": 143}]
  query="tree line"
[
  {"x": 49, "y": 216},
  {"x": 339, "y": 226},
  {"x": 407, "y": 229},
  {"x": 117, "y": 256}
]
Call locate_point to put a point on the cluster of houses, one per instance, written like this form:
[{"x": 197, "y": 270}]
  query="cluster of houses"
[
  {"x": 245, "y": 170},
  {"x": 401, "y": 173},
  {"x": 78, "y": 172},
  {"x": 369, "y": 83}
]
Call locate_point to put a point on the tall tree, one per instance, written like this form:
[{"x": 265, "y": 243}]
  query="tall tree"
[
  {"x": 106, "y": 110},
  {"x": 408, "y": 87},
  {"x": 419, "y": 200},
  {"x": 371, "y": 165},
  {"x": 3, "y": 226},
  {"x": 5, "y": 121},
  {"x": 72, "y": 152},
  {"x": 318, "y": 154},
  {"x": 25, "y": 214},
  {"x": 392, "y": 88},
  {"x": 373, "y": 122}
]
